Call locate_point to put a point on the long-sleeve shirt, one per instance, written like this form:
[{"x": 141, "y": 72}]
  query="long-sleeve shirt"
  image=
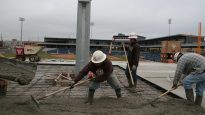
[
  {"x": 133, "y": 54},
  {"x": 101, "y": 72},
  {"x": 190, "y": 63}
]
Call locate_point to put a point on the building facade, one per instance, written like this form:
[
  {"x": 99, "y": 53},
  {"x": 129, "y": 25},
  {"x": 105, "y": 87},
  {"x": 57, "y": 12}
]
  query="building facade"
[{"x": 68, "y": 45}]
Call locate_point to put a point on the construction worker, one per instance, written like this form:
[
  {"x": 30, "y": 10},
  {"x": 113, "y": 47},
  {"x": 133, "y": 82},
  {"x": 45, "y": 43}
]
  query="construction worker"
[
  {"x": 133, "y": 53},
  {"x": 101, "y": 68},
  {"x": 190, "y": 70}
]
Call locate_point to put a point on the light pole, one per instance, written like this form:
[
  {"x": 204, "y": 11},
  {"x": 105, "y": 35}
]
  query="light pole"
[
  {"x": 21, "y": 19},
  {"x": 91, "y": 32},
  {"x": 169, "y": 22},
  {"x": 1, "y": 37}
]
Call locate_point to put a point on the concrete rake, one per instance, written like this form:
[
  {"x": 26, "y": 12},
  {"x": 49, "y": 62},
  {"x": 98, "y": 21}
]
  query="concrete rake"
[{"x": 37, "y": 100}]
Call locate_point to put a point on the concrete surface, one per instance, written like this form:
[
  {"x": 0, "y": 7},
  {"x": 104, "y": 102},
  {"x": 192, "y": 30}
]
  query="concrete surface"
[
  {"x": 158, "y": 73},
  {"x": 105, "y": 101}
]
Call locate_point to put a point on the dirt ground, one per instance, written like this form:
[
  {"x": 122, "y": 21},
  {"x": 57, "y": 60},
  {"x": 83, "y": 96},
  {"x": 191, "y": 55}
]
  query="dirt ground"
[{"x": 102, "y": 106}]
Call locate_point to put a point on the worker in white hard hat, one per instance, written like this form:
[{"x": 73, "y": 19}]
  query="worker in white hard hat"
[
  {"x": 133, "y": 53},
  {"x": 190, "y": 70},
  {"x": 99, "y": 69}
]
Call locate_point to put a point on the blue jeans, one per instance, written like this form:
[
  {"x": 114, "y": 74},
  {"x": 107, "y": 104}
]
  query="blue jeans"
[
  {"x": 133, "y": 72},
  {"x": 198, "y": 79},
  {"x": 112, "y": 81}
]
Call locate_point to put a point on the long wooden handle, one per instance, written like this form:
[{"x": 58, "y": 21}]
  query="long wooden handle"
[
  {"x": 165, "y": 92},
  {"x": 169, "y": 91},
  {"x": 61, "y": 90},
  {"x": 128, "y": 65},
  {"x": 53, "y": 93}
]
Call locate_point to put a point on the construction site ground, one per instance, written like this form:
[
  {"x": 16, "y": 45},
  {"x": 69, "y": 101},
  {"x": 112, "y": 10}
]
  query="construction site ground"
[
  {"x": 160, "y": 74},
  {"x": 18, "y": 99}
]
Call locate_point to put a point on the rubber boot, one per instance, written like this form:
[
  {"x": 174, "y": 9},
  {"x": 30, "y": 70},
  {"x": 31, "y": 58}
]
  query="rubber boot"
[
  {"x": 129, "y": 83},
  {"x": 198, "y": 100},
  {"x": 133, "y": 88},
  {"x": 90, "y": 96},
  {"x": 135, "y": 83},
  {"x": 190, "y": 95},
  {"x": 118, "y": 93}
]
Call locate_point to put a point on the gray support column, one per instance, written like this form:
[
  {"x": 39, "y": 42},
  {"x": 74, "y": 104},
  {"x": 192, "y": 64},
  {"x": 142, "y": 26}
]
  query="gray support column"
[{"x": 83, "y": 34}]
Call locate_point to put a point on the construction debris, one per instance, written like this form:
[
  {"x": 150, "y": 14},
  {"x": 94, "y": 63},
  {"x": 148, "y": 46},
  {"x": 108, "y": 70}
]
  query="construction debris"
[{"x": 62, "y": 79}]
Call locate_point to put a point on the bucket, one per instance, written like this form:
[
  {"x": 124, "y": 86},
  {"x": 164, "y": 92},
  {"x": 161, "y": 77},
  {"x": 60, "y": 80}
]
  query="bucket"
[{"x": 3, "y": 87}]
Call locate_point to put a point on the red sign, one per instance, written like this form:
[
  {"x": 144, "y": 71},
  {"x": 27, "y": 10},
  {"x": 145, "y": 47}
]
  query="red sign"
[{"x": 19, "y": 51}]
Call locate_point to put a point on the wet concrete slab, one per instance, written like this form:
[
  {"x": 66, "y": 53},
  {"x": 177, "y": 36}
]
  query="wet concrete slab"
[
  {"x": 158, "y": 73},
  {"x": 39, "y": 87},
  {"x": 105, "y": 101}
]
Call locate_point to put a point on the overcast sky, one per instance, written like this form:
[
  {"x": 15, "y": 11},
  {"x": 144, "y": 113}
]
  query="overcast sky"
[{"x": 58, "y": 18}]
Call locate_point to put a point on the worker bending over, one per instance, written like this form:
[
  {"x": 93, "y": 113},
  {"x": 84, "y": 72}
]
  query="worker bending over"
[
  {"x": 102, "y": 70},
  {"x": 190, "y": 69}
]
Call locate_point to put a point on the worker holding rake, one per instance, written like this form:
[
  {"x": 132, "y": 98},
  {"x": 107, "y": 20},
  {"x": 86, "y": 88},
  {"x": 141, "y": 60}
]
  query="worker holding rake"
[
  {"x": 133, "y": 53},
  {"x": 190, "y": 69},
  {"x": 100, "y": 69}
]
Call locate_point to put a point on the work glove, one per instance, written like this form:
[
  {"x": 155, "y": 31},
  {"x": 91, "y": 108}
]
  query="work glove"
[
  {"x": 73, "y": 84},
  {"x": 91, "y": 76},
  {"x": 174, "y": 86},
  {"x": 134, "y": 67}
]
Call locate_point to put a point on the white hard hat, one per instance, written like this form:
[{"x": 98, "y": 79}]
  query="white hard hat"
[
  {"x": 98, "y": 57},
  {"x": 176, "y": 55},
  {"x": 133, "y": 35}
]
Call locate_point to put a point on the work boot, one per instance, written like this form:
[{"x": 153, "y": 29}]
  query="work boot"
[
  {"x": 90, "y": 96},
  {"x": 198, "y": 100},
  {"x": 135, "y": 83},
  {"x": 129, "y": 83},
  {"x": 118, "y": 93},
  {"x": 189, "y": 95}
]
